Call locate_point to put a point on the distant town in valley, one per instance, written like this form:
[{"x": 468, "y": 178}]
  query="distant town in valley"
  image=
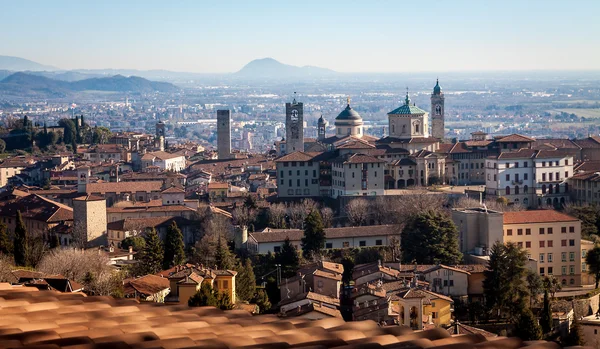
[{"x": 289, "y": 198}]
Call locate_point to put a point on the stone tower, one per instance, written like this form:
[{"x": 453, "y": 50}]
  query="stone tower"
[
  {"x": 224, "y": 134},
  {"x": 437, "y": 112},
  {"x": 294, "y": 127},
  {"x": 89, "y": 220},
  {"x": 160, "y": 136},
  {"x": 83, "y": 178},
  {"x": 321, "y": 125}
]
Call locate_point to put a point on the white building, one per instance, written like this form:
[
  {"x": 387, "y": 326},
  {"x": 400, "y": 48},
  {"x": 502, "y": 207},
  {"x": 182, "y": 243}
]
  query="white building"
[
  {"x": 163, "y": 160},
  {"x": 357, "y": 175},
  {"x": 298, "y": 175},
  {"x": 346, "y": 237},
  {"x": 533, "y": 178}
]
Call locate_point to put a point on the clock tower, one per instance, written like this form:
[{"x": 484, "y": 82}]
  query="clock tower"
[
  {"x": 437, "y": 112},
  {"x": 294, "y": 126},
  {"x": 321, "y": 125}
]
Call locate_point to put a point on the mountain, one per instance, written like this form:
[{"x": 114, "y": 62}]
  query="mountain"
[
  {"x": 271, "y": 68},
  {"x": 24, "y": 84},
  {"x": 22, "y": 64}
]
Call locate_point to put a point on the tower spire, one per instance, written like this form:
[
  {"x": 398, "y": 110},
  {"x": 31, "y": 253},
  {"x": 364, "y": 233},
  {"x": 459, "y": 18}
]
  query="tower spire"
[
  {"x": 407, "y": 100},
  {"x": 348, "y": 100},
  {"x": 294, "y": 101}
]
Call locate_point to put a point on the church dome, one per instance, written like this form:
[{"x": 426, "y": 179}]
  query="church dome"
[
  {"x": 348, "y": 114},
  {"x": 437, "y": 89}
]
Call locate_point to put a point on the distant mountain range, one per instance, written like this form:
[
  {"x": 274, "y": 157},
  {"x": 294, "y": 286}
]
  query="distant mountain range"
[
  {"x": 25, "y": 84},
  {"x": 271, "y": 68},
  {"x": 22, "y": 64}
]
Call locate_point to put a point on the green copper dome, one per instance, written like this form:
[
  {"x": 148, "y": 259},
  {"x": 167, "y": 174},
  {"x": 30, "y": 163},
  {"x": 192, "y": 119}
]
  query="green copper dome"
[
  {"x": 437, "y": 90},
  {"x": 407, "y": 109}
]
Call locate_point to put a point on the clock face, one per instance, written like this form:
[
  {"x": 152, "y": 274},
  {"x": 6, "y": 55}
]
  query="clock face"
[{"x": 294, "y": 115}]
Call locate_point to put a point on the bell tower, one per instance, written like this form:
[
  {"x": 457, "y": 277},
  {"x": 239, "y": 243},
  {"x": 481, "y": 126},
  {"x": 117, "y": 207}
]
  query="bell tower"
[
  {"x": 437, "y": 112},
  {"x": 321, "y": 125},
  {"x": 294, "y": 126}
]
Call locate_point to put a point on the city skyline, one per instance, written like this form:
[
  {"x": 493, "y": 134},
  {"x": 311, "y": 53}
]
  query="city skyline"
[{"x": 346, "y": 37}]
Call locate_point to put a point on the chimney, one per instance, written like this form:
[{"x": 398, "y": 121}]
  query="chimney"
[{"x": 130, "y": 249}]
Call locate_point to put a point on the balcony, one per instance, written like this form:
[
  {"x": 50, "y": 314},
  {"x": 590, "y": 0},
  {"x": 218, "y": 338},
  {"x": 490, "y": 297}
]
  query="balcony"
[{"x": 517, "y": 182}]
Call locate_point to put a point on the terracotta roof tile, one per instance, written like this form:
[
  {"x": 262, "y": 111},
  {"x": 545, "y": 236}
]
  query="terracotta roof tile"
[{"x": 536, "y": 216}]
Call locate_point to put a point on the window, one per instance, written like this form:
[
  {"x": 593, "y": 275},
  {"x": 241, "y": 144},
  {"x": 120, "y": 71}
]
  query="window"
[
  {"x": 583, "y": 267},
  {"x": 378, "y": 242},
  {"x": 527, "y": 231},
  {"x": 541, "y": 259},
  {"x": 362, "y": 243},
  {"x": 519, "y": 231},
  {"x": 564, "y": 270},
  {"x": 542, "y": 231},
  {"x": 527, "y": 244},
  {"x": 550, "y": 270},
  {"x": 571, "y": 256},
  {"x": 563, "y": 230},
  {"x": 509, "y": 232},
  {"x": 549, "y": 257},
  {"x": 328, "y": 245},
  {"x": 345, "y": 244},
  {"x": 549, "y": 230},
  {"x": 225, "y": 284},
  {"x": 507, "y": 190},
  {"x": 277, "y": 249},
  {"x": 571, "y": 271},
  {"x": 542, "y": 271},
  {"x": 571, "y": 229},
  {"x": 507, "y": 177},
  {"x": 571, "y": 242},
  {"x": 542, "y": 244},
  {"x": 583, "y": 253},
  {"x": 563, "y": 243}
]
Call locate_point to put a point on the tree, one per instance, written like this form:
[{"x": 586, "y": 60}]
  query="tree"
[
  {"x": 245, "y": 281},
  {"x": 277, "y": 216},
  {"x": 2, "y": 146},
  {"x": 546, "y": 316},
  {"x": 430, "y": 238},
  {"x": 204, "y": 297},
  {"x": 501, "y": 200},
  {"x": 262, "y": 301},
  {"x": 402, "y": 209},
  {"x": 357, "y": 211},
  {"x": 288, "y": 258},
  {"x": 313, "y": 240},
  {"x": 535, "y": 286},
  {"x": 152, "y": 255},
  {"x": 593, "y": 263},
  {"x": 224, "y": 301},
  {"x": 243, "y": 216},
  {"x": 69, "y": 136},
  {"x": 503, "y": 282},
  {"x": 101, "y": 135},
  {"x": 136, "y": 242},
  {"x": 5, "y": 245},
  {"x": 174, "y": 252},
  {"x": 20, "y": 242},
  {"x": 527, "y": 327},
  {"x": 250, "y": 203},
  {"x": 54, "y": 241},
  {"x": 589, "y": 217},
  {"x": 552, "y": 285},
  {"x": 575, "y": 336},
  {"x": 298, "y": 212},
  {"x": 327, "y": 216},
  {"x": 224, "y": 259}
]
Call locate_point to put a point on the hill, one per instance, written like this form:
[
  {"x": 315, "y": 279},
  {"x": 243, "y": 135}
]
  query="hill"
[
  {"x": 24, "y": 84},
  {"x": 271, "y": 68},
  {"x": 22, "y": 64}
]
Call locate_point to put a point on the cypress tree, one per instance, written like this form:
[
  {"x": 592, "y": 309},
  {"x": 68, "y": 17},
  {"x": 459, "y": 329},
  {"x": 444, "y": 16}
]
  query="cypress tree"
[
  {"x": 546, "y": 318},
  {"x": 224, "y": 260},
  {"x": 174, "y": 247},
  {"x": 5, "y": 245},
  {"x": 527, "y": 328},
  {"x": 20, "y": 242},
  {"x": 152, "y": 255},
  {"x": 262, "y": 301},
  {"x": 313, "y": 240}
]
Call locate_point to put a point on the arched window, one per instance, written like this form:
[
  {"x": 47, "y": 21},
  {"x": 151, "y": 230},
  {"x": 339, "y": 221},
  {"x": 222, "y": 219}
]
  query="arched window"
[
  {"x": 393, "y": 128},
  {"x": 550, "y": 190},
  {"x": 438, "y": 110},
  {"x": 516, "y": 190},
  {"x": 543, "y": 189},
  {"x": 516, "y": 201},
  {"x": 525, "y": 189},
  {"x": 526, "y": 201},
  {"x": 557, "y": 189},
  {"x": 417, "y": 128},
  {"x": 507, "y": 190}
]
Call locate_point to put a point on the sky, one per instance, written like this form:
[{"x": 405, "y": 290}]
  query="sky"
[{"x": 346, "y": 36}]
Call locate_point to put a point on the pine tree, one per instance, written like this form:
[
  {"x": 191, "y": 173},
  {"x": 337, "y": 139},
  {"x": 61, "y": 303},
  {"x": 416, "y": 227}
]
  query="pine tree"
[
  {"x": 527, "y": 328},
  {"x": 261, "y": 299},
  {"x": 20, "y": 242},
  {"x": 204, "y": 297},
  {"x": 546, "y": 316},
  {"x": 224, "y": 301},
  {"x": 174, "y": 247},
  {"x": 313, "y": 240},
  {"x": 5, "y": 245},
  {"x": 224, "y": 260},
  {"x": 288, "y": 258},
  {"x": 245, "y": 281},
  {"x": 430, "y": 238},
  {"x": 152, "y": 255}
]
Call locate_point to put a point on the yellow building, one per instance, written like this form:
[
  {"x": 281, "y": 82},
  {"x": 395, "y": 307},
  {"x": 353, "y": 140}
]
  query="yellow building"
[
  {"x": 551, "y": 238},
  {"x": 417, "y": 307},
  {"x": 218, "y": 191},
  {"x": 186, "y": 280}
]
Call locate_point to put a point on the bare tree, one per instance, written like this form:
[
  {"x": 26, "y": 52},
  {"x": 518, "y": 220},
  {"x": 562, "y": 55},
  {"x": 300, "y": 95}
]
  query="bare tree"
[
  {"x": 297, "y": 212},
  {"x": 493, "y": 205},
  {"x": 277, "y": 214},
  {"x": 36, "y": 248},
  {"x": 74, "y": 264},
  {"x": 357, "y": 211},
  {"x": 204, "y": 250},
  {"x": 327, "y": 216},
  {"x": 243, "y": 216},
  {"x": 405, "y": 206},
  {"x": 381, "y": 210},
  {"x": 6, "y": 267},
  {"x": 218, "y": 225}
]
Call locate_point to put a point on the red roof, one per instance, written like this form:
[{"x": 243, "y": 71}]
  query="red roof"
[{"x": 536, "y": 216}]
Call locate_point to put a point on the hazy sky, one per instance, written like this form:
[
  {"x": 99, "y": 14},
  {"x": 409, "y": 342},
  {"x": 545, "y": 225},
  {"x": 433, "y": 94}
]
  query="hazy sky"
[{"x": 348, "y": 36}]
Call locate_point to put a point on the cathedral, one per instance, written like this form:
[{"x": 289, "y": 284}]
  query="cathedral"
[{"x": 364, "y": 165}]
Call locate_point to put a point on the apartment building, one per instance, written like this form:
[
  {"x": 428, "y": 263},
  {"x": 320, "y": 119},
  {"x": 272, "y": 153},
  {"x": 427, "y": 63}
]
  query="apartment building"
[
  {"x": 298, "y": 175},
  {"x": 357, "y": 175},
  {"x": 533, "y": 178}
]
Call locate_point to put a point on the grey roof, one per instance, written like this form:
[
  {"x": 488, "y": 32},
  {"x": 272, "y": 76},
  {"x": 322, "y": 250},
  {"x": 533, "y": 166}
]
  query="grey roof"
[{"x": 348, "y": 114}]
